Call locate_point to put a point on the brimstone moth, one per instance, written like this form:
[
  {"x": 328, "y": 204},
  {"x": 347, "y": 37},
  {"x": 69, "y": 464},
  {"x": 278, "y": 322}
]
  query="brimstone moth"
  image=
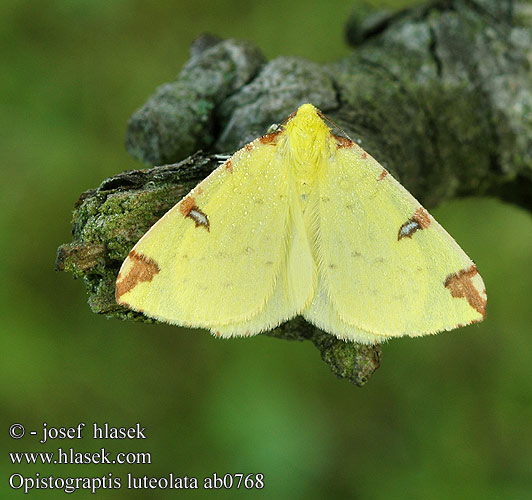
[{"x": 302, "y": 222}]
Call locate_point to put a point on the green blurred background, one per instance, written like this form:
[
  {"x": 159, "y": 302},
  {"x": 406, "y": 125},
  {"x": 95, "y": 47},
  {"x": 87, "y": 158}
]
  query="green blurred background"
[{"x": 449, "y": 416}]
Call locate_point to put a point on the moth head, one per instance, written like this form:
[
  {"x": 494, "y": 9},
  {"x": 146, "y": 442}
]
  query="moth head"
[{"x": 307, "y": 122}]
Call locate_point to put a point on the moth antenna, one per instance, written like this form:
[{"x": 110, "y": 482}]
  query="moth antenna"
[
  {"x": 282, "y": 124},
  {"x": 332, "y": 122}
]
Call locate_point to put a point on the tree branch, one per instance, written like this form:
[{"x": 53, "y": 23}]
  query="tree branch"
[{"x": 440, "y": 94}]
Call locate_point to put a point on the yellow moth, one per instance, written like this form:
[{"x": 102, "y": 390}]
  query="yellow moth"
[{"x": 302, "y": 222}]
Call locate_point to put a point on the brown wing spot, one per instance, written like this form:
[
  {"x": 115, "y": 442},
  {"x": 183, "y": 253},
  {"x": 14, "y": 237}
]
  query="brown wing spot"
[
  {"x": 384, "y": 173},
  {"x": 229, "y": 166},
  {"x": 270, "y": 138},
  {"x": 342, "y": 142},
  {"x": 199, "y": 190},
  {"x": 461, "y": 285},
  {"x": 422, "y": 217},
  {"x": 143, "y": 269},
  {"x": 187, "y": 205},
  {"x": 248, "y": 147},
  {"x": 420, "y": 220},
  {"x": 364, "y": 155},
  {"x": 188, "y": 208}
]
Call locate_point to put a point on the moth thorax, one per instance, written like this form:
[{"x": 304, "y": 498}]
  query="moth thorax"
[{"x": 306, "y": 156}]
